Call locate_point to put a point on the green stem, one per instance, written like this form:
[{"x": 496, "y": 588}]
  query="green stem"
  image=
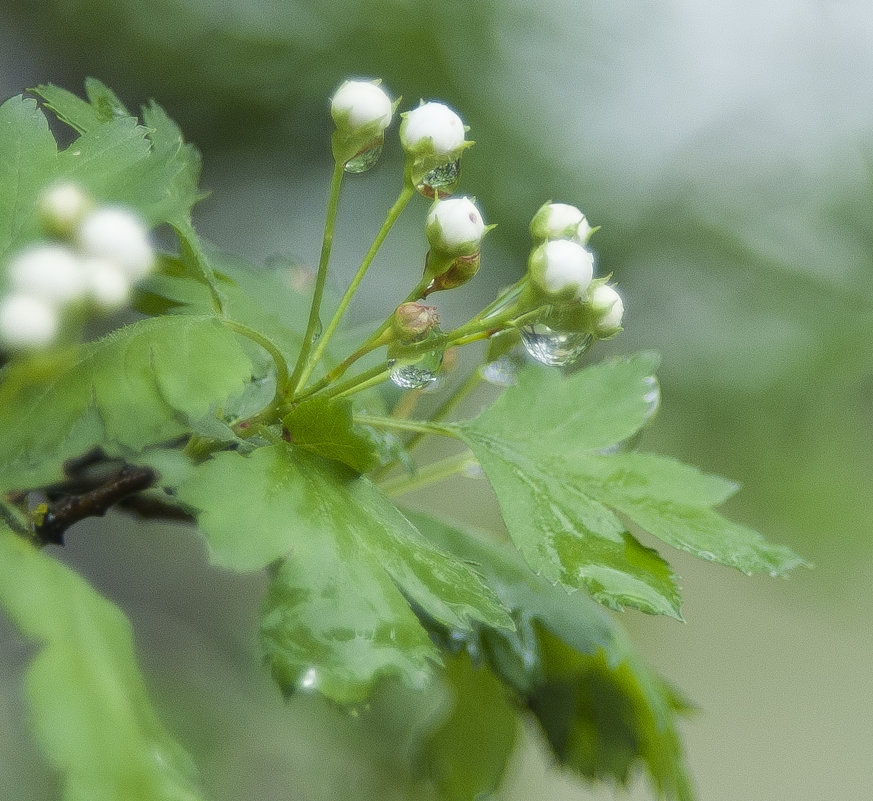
[
  {"x": 268, "y": 345},
  {"x": 429, "y": 474},
  {"x": 297, "y": 377},
  {"x": 393, "y": 213},
  {"x": 470, "y": 383},
  {"x": 394, "y": 424}
]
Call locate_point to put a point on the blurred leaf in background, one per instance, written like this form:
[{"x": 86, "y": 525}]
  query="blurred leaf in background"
[{"x": 725, "y": 150}]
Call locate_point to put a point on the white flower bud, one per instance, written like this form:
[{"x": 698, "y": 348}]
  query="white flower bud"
[
  {"x": 608, "y": 307},
  {"x": 62, "y": 206},
  {"x": 560, "y": 221},
  {"x": 455, "y": 227},
  {"x": 119, "y": 235},
  {"x": 561, "y": 266},
  {"x": 27, "y": 321},
  {"x": 52, "y": 273},
  {"x": 108, "y": 285},
  {"x": 434, "y": 127},
  {"x": 361, "y": 104}
]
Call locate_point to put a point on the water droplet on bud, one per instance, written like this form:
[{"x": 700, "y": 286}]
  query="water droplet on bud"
[
  {"x": 416, "y": 374},
  {"x": 441, "y": 181},
  {"x": 555, "y": 348},
  {"x": 365, "y": 160}
]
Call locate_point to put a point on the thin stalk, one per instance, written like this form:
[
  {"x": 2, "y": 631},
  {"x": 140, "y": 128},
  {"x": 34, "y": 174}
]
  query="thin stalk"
[
  {"x": 433, "y": 473},
  {"x": 393, "y": 213},
  {"x": 268, "y": 345},
  {"x": 394, "y": 424},
  {"x": 336, "y": 179}
]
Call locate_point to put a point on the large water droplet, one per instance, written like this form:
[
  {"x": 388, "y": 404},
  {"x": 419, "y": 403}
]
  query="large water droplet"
[
  {"x": 441, "y": 181},
  {"x": 502, "y": 372},
  {"x": 365, "y": 160},
  {"x": 416, "y": 374},
  {"x": 555, "y": 348}
]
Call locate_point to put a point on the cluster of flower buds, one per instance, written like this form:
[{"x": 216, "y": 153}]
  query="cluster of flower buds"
[
  {"x": 432, "y": 136},
  {"x": 95, "y": 255},
  {"x": 561, "y": 269}
]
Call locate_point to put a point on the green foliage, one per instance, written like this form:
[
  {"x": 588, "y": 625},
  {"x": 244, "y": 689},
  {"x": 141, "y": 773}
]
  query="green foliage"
[
  {"x": 121, "y": 393},
  {"x": 333, "y": 606},
  {"x": 203, "y": 392},
  {"x": 601, "y": 709},
  {"x": 91, "y": 709},
  {"x": 544, "y": 446}
]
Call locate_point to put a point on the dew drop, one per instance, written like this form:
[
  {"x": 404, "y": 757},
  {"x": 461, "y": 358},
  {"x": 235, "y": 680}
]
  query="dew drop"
[
  {"x": 365, "y": 160},
  {"x": 555, "y": 348},
  {"x": 472, "y": 469},
  {"x": 652, "y": 398},
  {"x": 309, "y": 679},
  {"x": 501, "y": 372},
  {"x": 440, "y": 181},
  {"x": 418, "y": 373}
]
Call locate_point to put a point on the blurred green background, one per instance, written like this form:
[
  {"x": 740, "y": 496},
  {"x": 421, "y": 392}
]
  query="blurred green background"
[{"x": 725, "y": 148}]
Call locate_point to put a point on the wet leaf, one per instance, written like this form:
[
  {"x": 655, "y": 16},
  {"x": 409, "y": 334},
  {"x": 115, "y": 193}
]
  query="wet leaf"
[
  {"x": 347, "y": 549},
  {"x": 603, "y": 711},
  {"x": 550, "y": 447},
  {"x": 142, "y": 384},
  {"x": 90, "y": 709}
]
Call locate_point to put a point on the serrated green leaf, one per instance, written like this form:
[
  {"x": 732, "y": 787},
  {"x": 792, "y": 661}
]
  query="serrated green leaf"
[
  {"x": 570, "y": 537},
  {"x": 548, "y": 446},
  {"x": 140, "y": 385},
  {"x": 334, "y": 622},
  {"x": 280, "y": 502},
  {"x": 69, "y": 108},
  {"x": 328, "y": 429},
  {"x": 90, "y": 709},
  {"x": 602, "y": 709},
  {"x": 28, "y": 157},
  {"x": 146, "y": 167},
  {"x": 466, "y": 753}
]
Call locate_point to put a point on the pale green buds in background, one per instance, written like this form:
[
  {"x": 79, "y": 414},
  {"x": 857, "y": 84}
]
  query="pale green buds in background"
[
  {"x": 52, "y": 273},
  {"x": 27, "y": 321},
  {"x": 120, "y": 236},
  {"x": 62, "y": 208},
  {"x": 361, "y": 110}
]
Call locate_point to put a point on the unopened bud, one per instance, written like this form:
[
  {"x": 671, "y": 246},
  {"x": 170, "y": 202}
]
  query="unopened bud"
[
  {"x": 607, "y": 308},
  {"x": 562, "y": 268},
  {"x": 462, "y": 269},
  {"x": 27, "y": 321},
  {"x": 432, "y": 129},
  {"x": 361, "y": 111},
  {"x": 455, "y": 227},
  {"x": 51, "y": 273},
  {"x": 62, "y": 207},
  {"x": 413, "y": 321},
  {"x": 119, "y": 235}
]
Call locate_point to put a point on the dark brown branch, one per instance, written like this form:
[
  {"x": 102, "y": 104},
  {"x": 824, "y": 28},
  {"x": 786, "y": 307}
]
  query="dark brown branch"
[{"x": 66, "y": 511}]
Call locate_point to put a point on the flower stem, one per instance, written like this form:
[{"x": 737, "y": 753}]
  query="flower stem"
[
  {"x": 393, "y": 213},
  {"x": 268, "y": 345},
  {"x": 429, "y": 474},
  {"x": 297, "y": 377},
  {"x": 395, "y": 424}
]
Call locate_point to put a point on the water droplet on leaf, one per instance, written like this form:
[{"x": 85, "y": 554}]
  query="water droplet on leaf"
[
  {"x": 555, "y": 348},
  {"x": 440, "y": 181},
  {"x": 365, "y": 160},
  {"x": 309, "y": 679},
  {"x": 502, "y": 372}
]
